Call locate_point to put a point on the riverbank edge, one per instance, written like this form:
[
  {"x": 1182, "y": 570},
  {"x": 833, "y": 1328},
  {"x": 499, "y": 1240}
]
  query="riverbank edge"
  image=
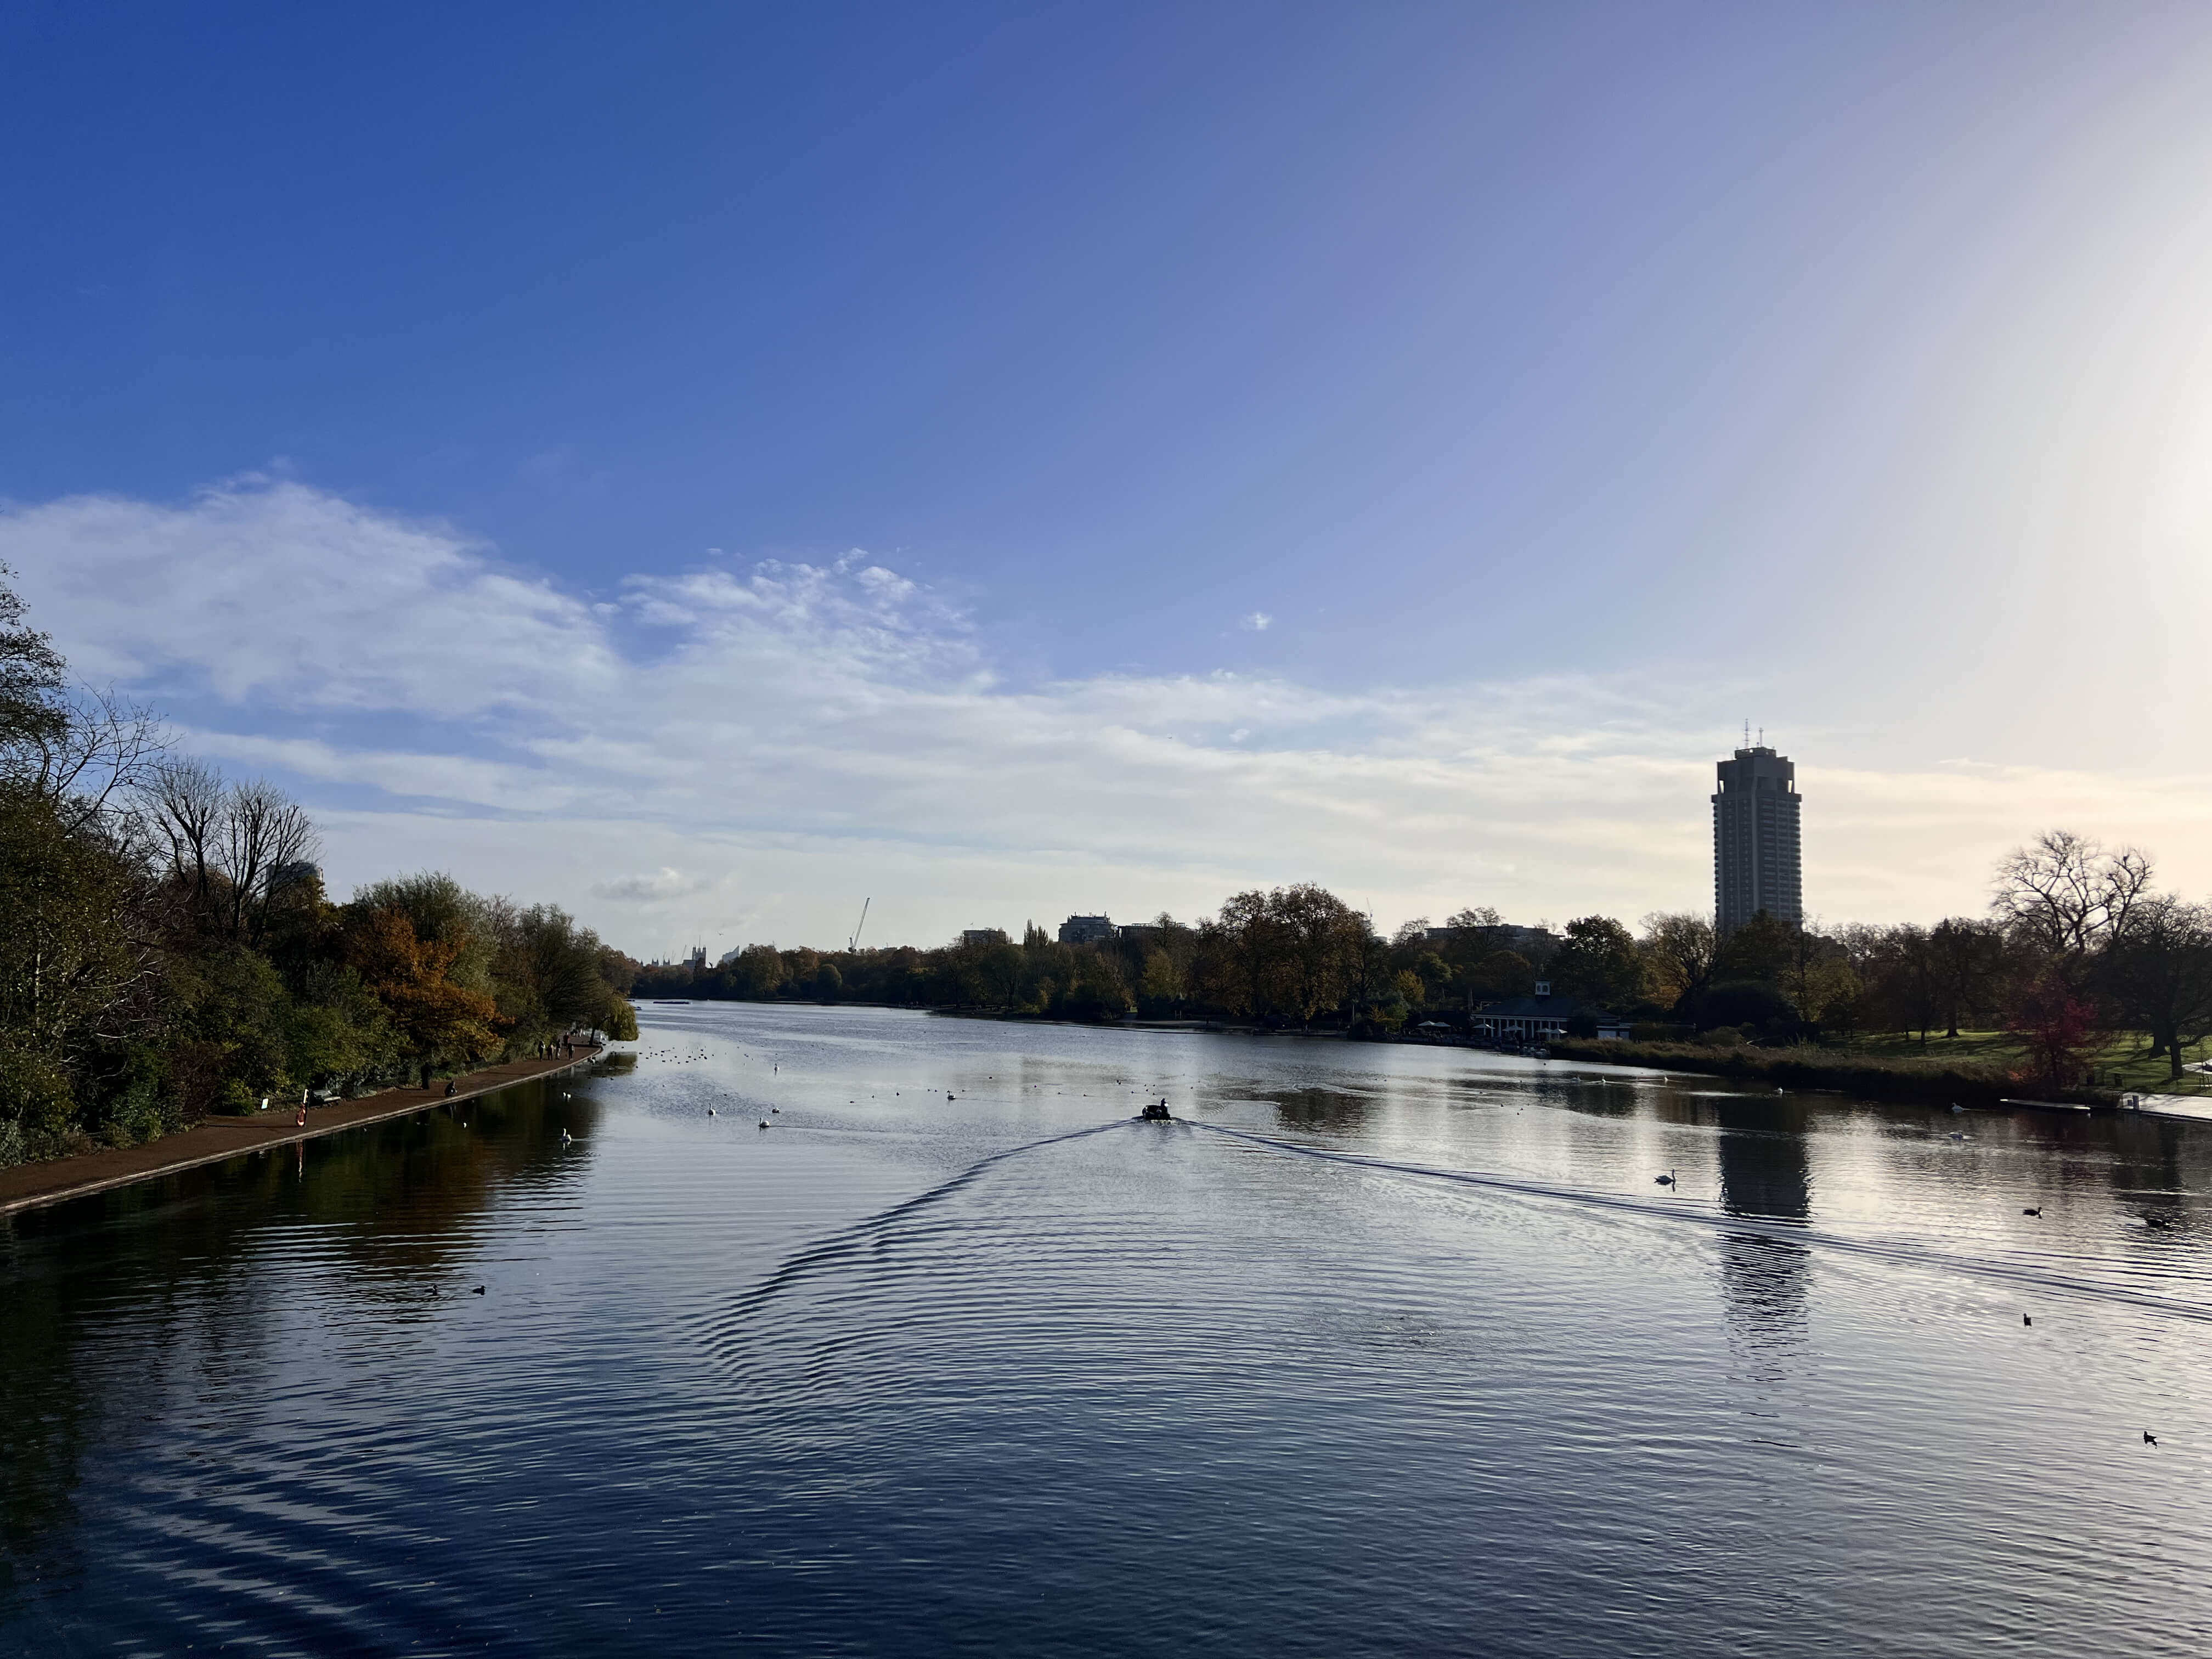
[
  {"x": 1903, "y": 1082},
  {"x": 1978, "y": 1086},
  {"x": 57, "y": 1181}
]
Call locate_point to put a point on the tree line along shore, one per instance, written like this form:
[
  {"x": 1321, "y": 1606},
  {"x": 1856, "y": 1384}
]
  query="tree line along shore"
[
  {"x": 2084, "y": 976},
  {"x": 167, "y": 950}
]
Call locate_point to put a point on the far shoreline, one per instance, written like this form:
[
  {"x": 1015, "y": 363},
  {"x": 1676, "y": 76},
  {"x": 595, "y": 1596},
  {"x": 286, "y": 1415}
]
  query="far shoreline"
[{"x": 1802, "y": 1068}]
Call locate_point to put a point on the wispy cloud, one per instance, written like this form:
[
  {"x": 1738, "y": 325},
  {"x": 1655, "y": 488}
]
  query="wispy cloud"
[
  {"x": 760, "y": 748},
  {"x": 658, "y": 888},
  {"x": 1259, "y": 622}
]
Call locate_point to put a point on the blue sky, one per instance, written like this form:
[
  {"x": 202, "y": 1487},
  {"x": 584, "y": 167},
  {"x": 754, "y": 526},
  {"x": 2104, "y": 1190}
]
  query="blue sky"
[{"x": 1385, "y": 445}]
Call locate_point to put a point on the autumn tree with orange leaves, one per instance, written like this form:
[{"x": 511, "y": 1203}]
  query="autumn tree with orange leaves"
[{"x": 443, "y": 1023}]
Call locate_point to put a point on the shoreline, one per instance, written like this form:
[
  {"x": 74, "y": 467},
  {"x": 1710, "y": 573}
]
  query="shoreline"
[{"x": 214, "y": 1139}]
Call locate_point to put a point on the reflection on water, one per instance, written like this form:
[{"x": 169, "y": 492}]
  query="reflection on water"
[
  {"x": 955, "y": 1356},
  {"x": 1332, "y": 1111},
  {"x": 1765, "y": 1170},
  {"x": 148, "y": 1300}
]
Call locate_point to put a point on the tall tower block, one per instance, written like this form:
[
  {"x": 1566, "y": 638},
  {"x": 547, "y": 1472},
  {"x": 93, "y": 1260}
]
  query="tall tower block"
[{"x": 1755, "y": 847}]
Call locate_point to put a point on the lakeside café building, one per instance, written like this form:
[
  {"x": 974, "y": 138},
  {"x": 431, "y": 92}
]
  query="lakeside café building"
[{"x": 1540, "y": 1018}]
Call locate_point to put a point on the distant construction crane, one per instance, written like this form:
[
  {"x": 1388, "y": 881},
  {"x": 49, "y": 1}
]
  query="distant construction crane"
[{"x": 853, "y": 944}]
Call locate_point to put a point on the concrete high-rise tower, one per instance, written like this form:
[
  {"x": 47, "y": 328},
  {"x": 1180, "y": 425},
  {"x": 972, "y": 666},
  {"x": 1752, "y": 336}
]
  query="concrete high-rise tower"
[{"x": 1755, "y": 849}]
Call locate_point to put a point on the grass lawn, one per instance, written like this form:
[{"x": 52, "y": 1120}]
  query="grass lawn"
[{"x": 2126, "y": 1055}]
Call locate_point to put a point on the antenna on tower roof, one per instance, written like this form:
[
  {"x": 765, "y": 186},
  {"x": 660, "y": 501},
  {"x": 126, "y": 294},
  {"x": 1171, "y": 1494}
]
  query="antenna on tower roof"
[
  {"x": 1747, "y": 734},
  {"x": 1762, "y": 736}
]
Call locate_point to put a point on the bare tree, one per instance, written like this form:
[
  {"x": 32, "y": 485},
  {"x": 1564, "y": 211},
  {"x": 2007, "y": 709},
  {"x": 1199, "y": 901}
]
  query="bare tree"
[
  {"x": 2160, "y": 974},
  {"x": 263, "y": 831},
  {"x": 185, "y": 800},
  {"x": 2066, "y": 894},
  {"x": 94, "y": 758}
]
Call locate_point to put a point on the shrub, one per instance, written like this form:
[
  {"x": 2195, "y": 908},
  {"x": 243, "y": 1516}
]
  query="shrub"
[{"x": 36, "y": 1106}]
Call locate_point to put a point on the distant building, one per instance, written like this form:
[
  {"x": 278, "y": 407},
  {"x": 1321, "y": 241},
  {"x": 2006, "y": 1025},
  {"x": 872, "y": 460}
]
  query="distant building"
[
  {"x": 1087, "y": 930},
  {"x": 1542, "y": 1017},
  {"x": 984, "y": 936},
  {"x": 1755, "y": 846},
  {"x": 1137, "y": 932},
  {"x": 698, "y": 959}
]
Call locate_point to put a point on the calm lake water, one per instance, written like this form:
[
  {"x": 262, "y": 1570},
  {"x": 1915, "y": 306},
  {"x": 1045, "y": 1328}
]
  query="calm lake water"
[{"x": 1374, "y": 1350}]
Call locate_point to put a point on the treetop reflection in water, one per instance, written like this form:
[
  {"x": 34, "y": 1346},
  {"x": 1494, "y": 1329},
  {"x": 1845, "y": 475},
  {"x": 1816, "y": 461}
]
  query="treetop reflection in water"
[{"x": 909, "y": 1374}]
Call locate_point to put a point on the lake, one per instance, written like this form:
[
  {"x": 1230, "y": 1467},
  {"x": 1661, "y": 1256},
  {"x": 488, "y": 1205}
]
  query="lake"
[{"x": 1374, "y": 1349}]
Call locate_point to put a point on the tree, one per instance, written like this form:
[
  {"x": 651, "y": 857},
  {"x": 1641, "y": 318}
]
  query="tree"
[
  {"x": 757, "y": 973},
  {"x": 2159, "y": 974},
  {"x": 1502, "y": 974},
  {"x": 1966, "y": 957},
  {"x": 89, "y": 755},
  {"x": 1475, "y": 919},
  {"x": 1097, "y": 991},
  {"x": 440, "y": 1021},
  {"x": 184, "y": 797},
  {"x": 1160, "y": 989},
  {"x": 2057, "y": 1027},
  {"x": 1251, "y": 950},
  {"x": 31, "y": 673},
  {"x": 1599, "y": 962},
  {"x": 264, "y": 832},
  {"x": 2067, "y": 896},
  {"x": 1678, "y": 949},
  {"x": 69, "y": 965},
  {"x": 1900, "y": 980},
  {"x": 1761, "y": 949},
  {"x": 1754, "y": 1002},
  {"x": 1375, "y": 989},
  {"x": 1320, "y": 939}
]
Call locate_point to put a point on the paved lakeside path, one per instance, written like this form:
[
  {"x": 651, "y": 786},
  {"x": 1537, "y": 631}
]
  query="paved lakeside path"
[{"x": 28, "y": 1186}]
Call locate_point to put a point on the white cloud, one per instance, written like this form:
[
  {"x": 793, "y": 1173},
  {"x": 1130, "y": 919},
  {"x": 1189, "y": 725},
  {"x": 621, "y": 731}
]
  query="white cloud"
[
  {"x": 757, "y": 751},
  {"x": 1259, "y": 622}
]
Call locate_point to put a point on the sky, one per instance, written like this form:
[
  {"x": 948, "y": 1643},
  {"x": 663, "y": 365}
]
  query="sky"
[{"x": 708, "y": 466}]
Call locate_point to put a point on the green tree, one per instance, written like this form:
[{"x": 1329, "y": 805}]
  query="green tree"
[
  {"x": 1678, "y": 948},
  {"x": 31, "y": 677},
  {"x": 1098, "y": 991},
  {"x": 1501, "y": 973},
  {"x": 1599, "y": 962},
  {"x": 1319, "y": 941},
  {"x": 70, "y": 968},
  {"x": 1160, "y": 990},
  {"x": 757, "y": 972}
]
